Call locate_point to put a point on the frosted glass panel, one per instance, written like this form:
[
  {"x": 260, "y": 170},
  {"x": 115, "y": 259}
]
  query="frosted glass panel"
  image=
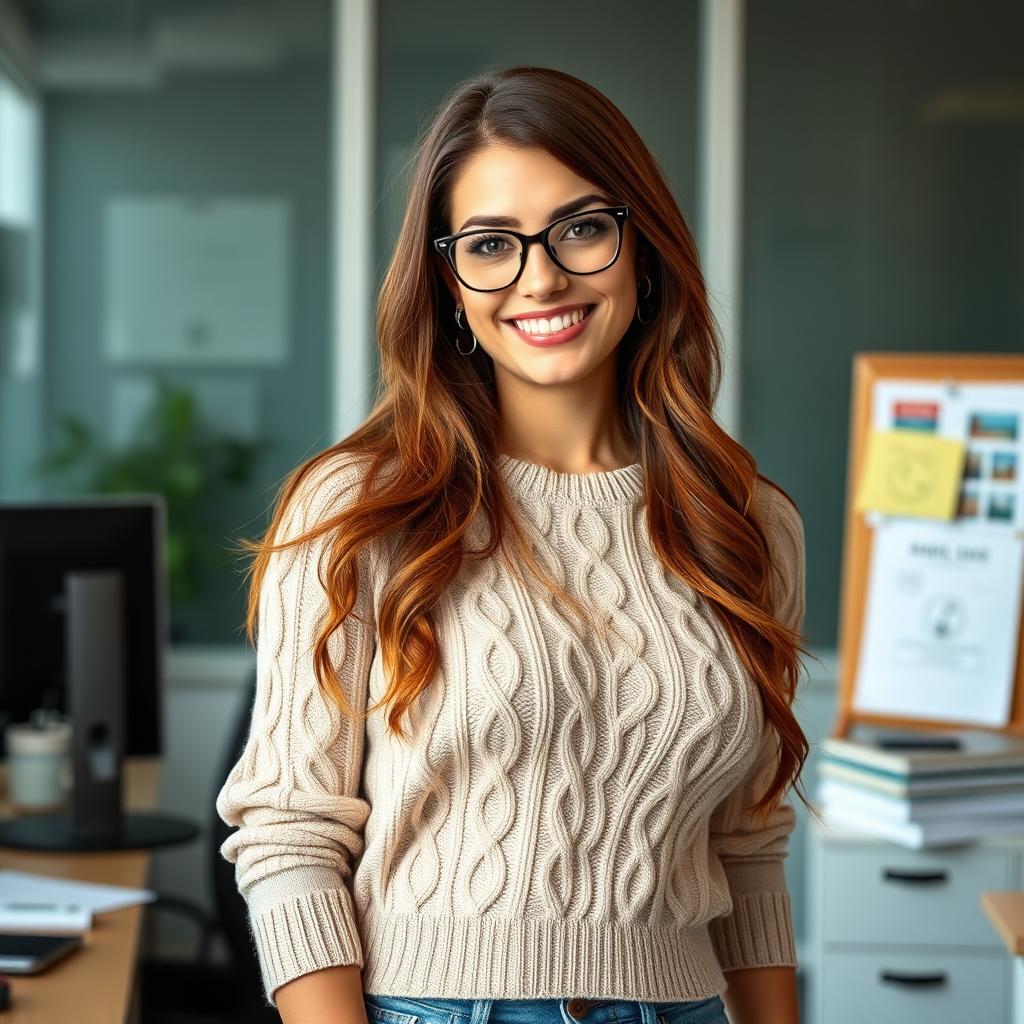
[{"x": 196, "y": 281}]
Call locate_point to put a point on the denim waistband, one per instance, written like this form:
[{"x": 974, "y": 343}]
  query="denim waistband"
[{"x": 567, "y": 1010}]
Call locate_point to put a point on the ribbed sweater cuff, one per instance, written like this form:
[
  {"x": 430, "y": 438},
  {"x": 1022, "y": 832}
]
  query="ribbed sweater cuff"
[
  {"x": 306, "y": 931},
  {"x": 759, "y": 931}
]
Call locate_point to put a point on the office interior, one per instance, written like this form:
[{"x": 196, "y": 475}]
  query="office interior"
[{"x": 853, "y": 173}]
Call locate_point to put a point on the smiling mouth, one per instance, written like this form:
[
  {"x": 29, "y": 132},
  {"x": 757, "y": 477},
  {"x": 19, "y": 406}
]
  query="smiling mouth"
[{"x": 587, "y": 308}]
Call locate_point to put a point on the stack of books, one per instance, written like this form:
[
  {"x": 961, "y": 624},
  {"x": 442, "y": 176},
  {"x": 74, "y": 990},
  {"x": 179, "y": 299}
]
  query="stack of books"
[{"x": 922, "y": 789}]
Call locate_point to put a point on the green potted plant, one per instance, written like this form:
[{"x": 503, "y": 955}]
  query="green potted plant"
[{"x": 175, "y": 454}]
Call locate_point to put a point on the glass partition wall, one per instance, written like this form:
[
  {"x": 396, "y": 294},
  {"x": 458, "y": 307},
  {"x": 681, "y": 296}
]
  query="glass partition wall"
[
  {"x": 883, "y": 210},
  {"x": 187, "y": 303},
  {"x": 21, "y": 381}
]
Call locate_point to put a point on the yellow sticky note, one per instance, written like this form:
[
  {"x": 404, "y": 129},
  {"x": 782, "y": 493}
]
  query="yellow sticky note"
[{"x": 910, "y": 473}]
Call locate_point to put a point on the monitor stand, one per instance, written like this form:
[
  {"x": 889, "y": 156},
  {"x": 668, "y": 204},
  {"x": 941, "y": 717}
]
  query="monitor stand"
[{"x": 95, "y": 650}]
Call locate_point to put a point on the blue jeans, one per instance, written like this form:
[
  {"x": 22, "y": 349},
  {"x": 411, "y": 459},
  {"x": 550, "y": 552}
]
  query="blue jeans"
[{"x": 406, "y": 1010}]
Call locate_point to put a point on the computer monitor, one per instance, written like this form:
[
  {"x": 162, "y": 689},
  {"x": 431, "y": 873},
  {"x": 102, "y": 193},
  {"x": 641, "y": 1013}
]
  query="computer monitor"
[
  {"x": 83, "y": 626},
  {"x": 40, "y": 543}
]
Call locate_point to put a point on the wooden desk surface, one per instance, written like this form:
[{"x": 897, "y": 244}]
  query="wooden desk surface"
[
  {"x": 94, "y": 985},
  {"x": 1005, "y": 909}
]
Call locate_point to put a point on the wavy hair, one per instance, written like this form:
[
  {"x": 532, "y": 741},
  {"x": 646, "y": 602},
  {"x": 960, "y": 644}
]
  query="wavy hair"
[{"x": 429, "y": 443}]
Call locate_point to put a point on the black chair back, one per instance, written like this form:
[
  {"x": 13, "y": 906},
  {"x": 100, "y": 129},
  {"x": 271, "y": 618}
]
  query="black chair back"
[{"x": 231, "y": 908}]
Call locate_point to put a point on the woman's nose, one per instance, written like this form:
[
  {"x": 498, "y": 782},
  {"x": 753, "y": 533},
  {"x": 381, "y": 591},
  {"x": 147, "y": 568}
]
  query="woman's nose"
[{"x": 540, "y": 274}]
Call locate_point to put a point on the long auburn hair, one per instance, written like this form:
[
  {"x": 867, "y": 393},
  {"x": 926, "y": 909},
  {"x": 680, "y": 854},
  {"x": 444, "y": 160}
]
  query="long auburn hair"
[{"x": 429, "y": 443}]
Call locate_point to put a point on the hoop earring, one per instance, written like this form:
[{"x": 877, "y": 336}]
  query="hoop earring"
[
  {"x": 646, "y": 295},
  {"x": 458, "y": 321}
]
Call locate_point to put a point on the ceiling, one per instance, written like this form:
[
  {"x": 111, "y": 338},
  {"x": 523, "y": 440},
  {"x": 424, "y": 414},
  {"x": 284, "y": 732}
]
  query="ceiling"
[
  {"x": 104, "y": 16},
  {"x": 104, "y": 44}
]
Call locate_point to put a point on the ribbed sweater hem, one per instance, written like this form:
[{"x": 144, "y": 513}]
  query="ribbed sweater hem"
[{"x": 496, "y": 958}]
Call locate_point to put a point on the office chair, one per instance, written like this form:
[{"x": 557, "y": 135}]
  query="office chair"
[{"x": 199, "y": 991}]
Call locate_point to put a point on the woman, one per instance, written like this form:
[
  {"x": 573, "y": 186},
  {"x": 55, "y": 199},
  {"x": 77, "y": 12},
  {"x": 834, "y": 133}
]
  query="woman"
[{"x": 541, "y": 548}]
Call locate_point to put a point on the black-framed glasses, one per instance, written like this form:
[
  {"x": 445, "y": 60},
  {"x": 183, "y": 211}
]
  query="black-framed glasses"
[{"x": 486, "y": 260}]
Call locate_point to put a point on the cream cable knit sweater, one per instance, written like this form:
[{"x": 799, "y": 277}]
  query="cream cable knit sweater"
[{"x": 569, "y": 820}]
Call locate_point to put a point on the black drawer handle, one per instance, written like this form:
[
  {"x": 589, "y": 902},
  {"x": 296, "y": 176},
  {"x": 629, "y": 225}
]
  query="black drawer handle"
[
  {"x": 914, "y": 877},
  {"x": 898, "y": 978}
]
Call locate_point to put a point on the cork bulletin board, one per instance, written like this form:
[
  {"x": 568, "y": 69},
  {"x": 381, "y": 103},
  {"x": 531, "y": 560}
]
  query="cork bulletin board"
[{"x": 952, "y": 371}]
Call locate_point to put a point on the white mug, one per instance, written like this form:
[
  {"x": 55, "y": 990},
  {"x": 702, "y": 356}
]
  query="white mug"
[{"x": 38, "y": 764}]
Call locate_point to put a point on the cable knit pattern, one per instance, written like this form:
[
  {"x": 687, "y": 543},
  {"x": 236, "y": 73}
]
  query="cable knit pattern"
[{"x": 570, "y": 816}]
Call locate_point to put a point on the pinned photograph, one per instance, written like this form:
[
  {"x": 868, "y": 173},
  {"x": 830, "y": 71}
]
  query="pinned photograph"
[
  {"x": 1000, "y": 425},
  {"x": 1004, "y": 466}
]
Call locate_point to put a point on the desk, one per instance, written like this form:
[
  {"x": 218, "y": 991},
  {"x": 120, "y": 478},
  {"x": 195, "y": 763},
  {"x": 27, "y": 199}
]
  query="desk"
[
  {"x": 1005, "y": 909},
  {"x": 95, "y": 984}
]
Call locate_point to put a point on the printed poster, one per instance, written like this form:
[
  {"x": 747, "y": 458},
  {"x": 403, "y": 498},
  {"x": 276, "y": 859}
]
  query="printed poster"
[{"x": 940, "y": 630}]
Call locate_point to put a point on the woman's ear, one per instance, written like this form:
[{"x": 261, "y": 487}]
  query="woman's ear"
[
  {"x": 451, "y": 283},
  {"x": 643, "y": 260}
]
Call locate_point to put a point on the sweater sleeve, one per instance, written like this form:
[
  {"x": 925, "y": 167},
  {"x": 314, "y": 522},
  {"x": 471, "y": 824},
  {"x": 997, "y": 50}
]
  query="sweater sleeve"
[
  {"x": 294, "y": 792},
  {"x": 759, "y": 930}
]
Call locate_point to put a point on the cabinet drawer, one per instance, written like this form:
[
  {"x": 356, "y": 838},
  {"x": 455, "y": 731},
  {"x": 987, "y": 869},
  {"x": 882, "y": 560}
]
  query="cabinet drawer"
[
  {"x": 901, "y": 988},
  {"x": 921, "y": 897}
]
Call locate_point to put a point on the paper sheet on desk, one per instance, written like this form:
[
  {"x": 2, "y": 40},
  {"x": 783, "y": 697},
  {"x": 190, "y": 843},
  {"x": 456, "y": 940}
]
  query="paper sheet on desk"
[{"x": 23, "y": 886}]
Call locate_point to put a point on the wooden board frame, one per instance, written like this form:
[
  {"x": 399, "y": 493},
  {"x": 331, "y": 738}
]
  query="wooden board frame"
[{"x": 868, "y": 369}]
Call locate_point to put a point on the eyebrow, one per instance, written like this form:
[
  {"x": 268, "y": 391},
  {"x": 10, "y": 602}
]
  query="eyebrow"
[{"x": 559, "y": 211}]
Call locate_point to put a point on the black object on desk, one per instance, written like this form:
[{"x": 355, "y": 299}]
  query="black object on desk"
[
  {"x": 918, "y": 743},
  {"x": 31, "y": 954}
]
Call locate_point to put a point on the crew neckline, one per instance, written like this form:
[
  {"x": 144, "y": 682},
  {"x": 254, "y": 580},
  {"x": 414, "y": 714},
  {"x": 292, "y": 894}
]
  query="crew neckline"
[{"x": 605, "y": 487}]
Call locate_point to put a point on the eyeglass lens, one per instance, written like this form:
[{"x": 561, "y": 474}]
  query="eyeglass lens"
[{"x": 583, "y": 245}]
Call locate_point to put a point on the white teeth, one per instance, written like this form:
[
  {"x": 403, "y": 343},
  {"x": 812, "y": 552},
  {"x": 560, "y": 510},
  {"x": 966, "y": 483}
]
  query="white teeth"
[{"x": 553, "y": 325}]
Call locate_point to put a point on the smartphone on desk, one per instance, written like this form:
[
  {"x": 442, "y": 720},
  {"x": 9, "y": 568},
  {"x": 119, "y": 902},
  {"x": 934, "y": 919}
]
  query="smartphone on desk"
[{"x": 30, "y": 954}]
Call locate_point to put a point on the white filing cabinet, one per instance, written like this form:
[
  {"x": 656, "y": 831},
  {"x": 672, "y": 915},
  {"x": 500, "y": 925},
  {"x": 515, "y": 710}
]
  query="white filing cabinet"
[{"x": 898, "y": 936}]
